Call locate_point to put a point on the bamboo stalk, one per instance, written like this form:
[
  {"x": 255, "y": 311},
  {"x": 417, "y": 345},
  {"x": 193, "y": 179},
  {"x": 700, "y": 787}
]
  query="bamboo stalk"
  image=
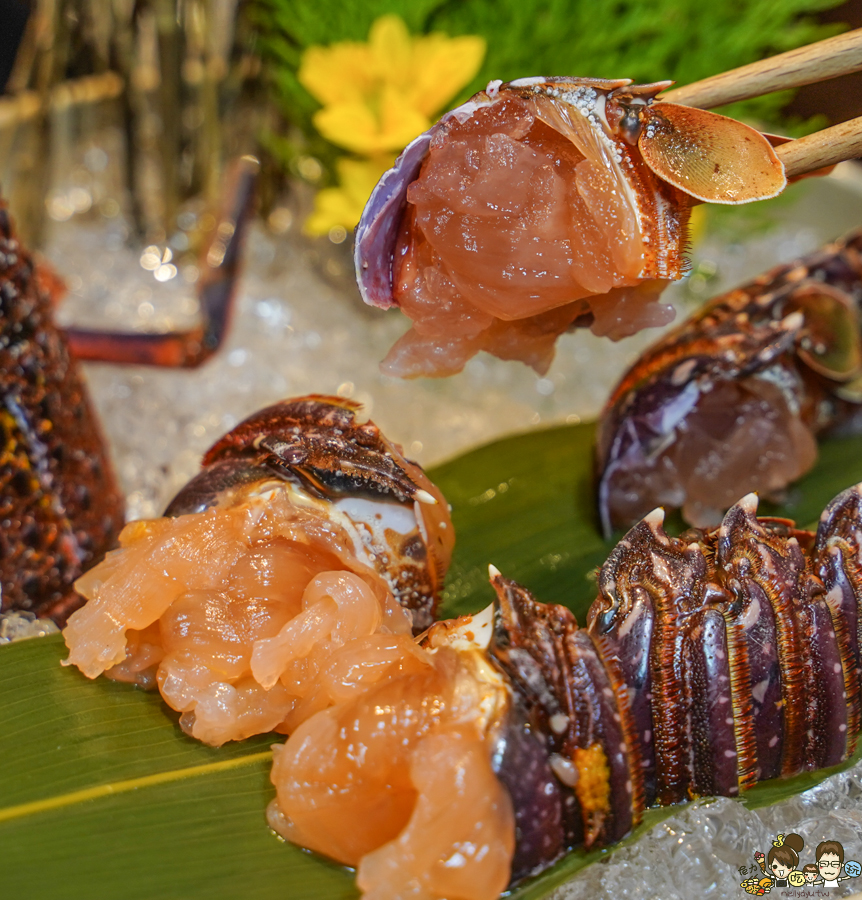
[
  {"x": 820, "y": 61},
  {"x": 823, "y": 148}
]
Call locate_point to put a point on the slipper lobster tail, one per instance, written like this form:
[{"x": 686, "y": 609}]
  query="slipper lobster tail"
[
  {"x": 503, "y": 739},
  {"x": 60, "y": 506},
  {"x": 396, "y": 519},
  {"x": 709, "y": 662},
  {"x": 732, "y": 400}
]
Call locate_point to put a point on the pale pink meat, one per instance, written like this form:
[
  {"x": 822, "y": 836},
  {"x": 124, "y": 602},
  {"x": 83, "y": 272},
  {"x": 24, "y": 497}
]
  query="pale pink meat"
[
  {"x": 740, "y": 437},
  {"x": 460, "y": 838},
  {"x": 510, "y": 221}
]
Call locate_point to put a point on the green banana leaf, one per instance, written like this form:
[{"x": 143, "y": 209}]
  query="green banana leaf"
[{"x": 102, "y": 795}]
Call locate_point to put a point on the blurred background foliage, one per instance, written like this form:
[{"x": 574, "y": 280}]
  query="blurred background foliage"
[
  {"x": 195, "y": 82},
  {"x": 646, "y": 40}
]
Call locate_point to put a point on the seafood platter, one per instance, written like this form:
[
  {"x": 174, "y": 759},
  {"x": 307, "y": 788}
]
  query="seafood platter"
[{"x": 471, "y": 681}]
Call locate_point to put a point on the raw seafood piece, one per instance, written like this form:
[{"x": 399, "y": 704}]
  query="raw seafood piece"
[
  {"x": 60, "y": 506},
  {"x": 306, "y": 536},
  {"x": 409, "y": 760},
  {"x": 709, "y": 662},
  {"x": 545, "y": 204},
  {"x": 732, "y": 400}
]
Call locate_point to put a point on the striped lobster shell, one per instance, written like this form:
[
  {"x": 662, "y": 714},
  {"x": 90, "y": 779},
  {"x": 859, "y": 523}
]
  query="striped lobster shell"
[{"x": 709, "y": 662}]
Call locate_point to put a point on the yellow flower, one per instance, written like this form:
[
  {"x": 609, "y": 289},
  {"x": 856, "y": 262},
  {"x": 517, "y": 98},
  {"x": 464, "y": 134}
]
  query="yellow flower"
[
  {"x": 380, "y": 95},
  {"x": 343, "y": 205}
]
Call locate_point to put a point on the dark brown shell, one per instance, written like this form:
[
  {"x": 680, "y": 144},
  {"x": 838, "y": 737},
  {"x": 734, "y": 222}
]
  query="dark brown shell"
[
  {"x": 317, "y": 441},
  {"x": 60, "y": 507},
  {"x": 572, "y": 691},
  {"x": 791, "y": 341},
  {"x": 709, "y": 662}
]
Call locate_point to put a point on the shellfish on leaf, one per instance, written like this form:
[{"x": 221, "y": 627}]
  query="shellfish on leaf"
[
  {"x": 297, "y": 561},
  {"x": 541, "y": 205},
  {"x": 732, "y": 400},
  {"x": 708, "y": 662}
]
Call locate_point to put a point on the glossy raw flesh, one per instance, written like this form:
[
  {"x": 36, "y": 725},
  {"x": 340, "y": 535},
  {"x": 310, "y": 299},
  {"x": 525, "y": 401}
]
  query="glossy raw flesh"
[
  {"x": 741, "y": 437},
  {"x": 231, "y": 615},
  {"x": 511, "y": 234},
  {"x": 397, "y": 781}
]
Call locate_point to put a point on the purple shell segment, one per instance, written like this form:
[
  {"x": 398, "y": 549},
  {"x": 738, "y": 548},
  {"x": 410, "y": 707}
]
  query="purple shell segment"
[
  {"x": 624, "y": 621},
  {"x": 843, "y": 604},
  {"x": 838, "y": 547},
  {"x": 521, "y": 763},
  {"x": 755, "y": 638},
  {"x": 377, "y": 231},
  {"x": 714, "y": 744},
  {"x": 601, "y": 721},
  {"x": 829, "y": 714}
]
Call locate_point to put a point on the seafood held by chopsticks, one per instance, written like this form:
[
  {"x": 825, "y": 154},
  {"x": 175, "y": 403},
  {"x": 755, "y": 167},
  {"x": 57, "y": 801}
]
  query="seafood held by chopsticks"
[
  {"x": 542, "y": 204},
  {"x": 708, "y": 663},
  {"x": 732, "y": 401},
  {"x": 306, "y": 538},
  {"x": 546, "y": 204},
  {"x": 60, "y": 506}
]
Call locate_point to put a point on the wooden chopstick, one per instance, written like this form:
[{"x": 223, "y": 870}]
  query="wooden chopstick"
[
  {"x": 823, "y": 148},
  {"x": 827, "y": 59},
  {"x": 835, "y": 56}
]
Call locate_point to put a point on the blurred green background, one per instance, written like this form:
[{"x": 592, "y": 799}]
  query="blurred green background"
[{"x": 196, "y": 82}]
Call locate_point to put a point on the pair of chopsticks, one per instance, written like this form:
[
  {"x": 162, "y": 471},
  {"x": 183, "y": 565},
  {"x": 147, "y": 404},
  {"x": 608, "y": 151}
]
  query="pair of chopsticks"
[{"x": 831, "y": 58}]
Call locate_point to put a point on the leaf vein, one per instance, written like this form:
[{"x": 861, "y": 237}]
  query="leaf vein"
[{"x": 110, "y": 789}]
